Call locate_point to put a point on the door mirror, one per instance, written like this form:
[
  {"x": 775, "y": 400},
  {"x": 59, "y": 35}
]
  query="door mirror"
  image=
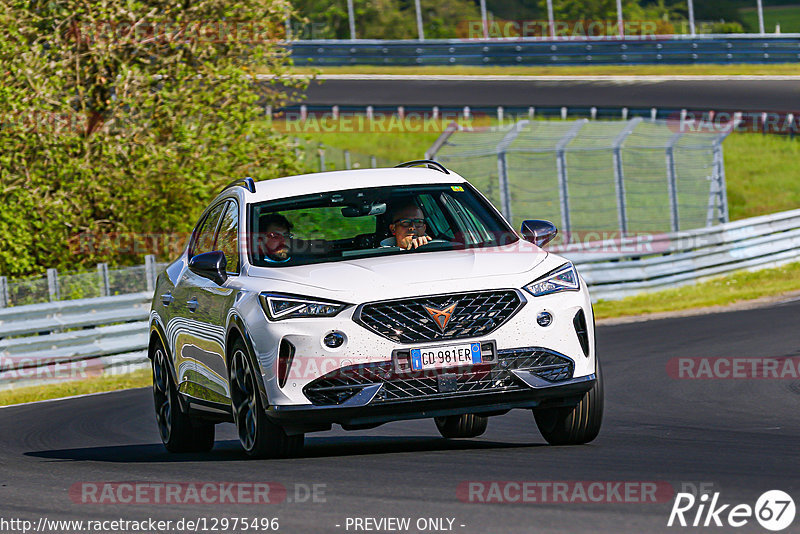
[
  {"x": 538, "y": 231},
  {"x": 211, "y": 265}
]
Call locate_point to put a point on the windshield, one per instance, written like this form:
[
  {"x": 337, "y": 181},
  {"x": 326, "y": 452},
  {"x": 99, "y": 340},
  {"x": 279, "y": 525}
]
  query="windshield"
[{"x": 356, "y": 223}]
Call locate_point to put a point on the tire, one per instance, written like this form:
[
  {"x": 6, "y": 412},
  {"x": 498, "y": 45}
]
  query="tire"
[
  {"x": 179, "y": 432},
  {"x": 260, "y": 437},
  {"x": 574, "y": 425},
  {"x": 468, "y": 425}
]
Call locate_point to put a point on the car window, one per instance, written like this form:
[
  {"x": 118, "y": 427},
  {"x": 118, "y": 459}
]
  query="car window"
[
  {"x": 313, "y": 223},
  {"x": 471, "y": 226},
  {"x": 438, "y": 225},
  {"x": 204, "y": 241},
  {"x": 343, "y": 225},
  {"x": 228, "y": 237}
]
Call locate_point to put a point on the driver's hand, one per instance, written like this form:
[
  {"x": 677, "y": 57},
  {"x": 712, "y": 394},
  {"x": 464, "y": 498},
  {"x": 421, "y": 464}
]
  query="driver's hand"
[{"x": 411, "y": 242}]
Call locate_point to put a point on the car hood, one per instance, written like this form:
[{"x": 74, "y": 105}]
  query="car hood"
[{"x": 414, "y": 273}]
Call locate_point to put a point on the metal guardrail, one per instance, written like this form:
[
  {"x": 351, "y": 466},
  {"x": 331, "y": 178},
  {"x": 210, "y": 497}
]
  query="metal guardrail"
[
  {"x": 53, "y": 341},
  {"x": 618, "y": 268},
  {"x": 658, "y": 49},
  {"x": 73, "y": 339}
]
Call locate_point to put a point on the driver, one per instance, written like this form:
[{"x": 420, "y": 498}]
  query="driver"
[
  {"x": 275, "y": 234},
  {"x": 408, "y": 227}
]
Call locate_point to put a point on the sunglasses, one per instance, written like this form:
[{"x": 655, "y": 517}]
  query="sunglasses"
[
  {"x": 408, "y": 223},
  {"x": 280, "y": 235}
]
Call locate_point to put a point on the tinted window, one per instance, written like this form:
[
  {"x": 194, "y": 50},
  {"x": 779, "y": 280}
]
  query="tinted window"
[
  {"x": 204, "y": 241},
  {"x": 343, "y": 225},
  {"x": 228, "y": 236}
]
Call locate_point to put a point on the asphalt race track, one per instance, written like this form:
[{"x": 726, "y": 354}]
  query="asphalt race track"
[
  {"x": 695, "y": 94},
  {"x": 739, "y": 437}
]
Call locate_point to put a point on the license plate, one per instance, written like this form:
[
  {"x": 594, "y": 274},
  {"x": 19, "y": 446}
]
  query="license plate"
[{"x": 447, "y": 356}]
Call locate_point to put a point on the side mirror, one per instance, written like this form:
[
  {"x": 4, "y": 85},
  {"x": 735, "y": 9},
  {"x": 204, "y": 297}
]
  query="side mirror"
[
  {"x": 538, "y": 232},
  {"x": 211, "y": 265}
]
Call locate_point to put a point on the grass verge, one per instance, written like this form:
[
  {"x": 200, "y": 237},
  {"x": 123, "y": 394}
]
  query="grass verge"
[
  {"x": 788, "y": 17},
  {"x": 20, "y": 395},
  {"x": 736, "y": 287},
  {"x": 779, "y": 69}
]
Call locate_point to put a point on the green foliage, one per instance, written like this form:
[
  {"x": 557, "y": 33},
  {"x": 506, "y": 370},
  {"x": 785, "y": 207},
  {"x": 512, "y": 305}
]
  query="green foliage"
[
  {"x": 113, "y": 122},
  {"x": 385, "y": 19}
]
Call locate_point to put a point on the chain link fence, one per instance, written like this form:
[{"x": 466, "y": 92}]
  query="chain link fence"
[
  {"x": 103, "y": 282},
  {"x": 639, "y": 175},
  {"x": 320, "y": 158}
]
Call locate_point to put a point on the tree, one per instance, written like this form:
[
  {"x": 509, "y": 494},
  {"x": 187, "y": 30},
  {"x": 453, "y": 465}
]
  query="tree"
[{"x": 126, "y": 118}]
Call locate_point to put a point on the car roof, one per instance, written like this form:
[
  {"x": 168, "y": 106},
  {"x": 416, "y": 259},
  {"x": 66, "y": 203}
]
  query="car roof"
[{"x": 321, "y": 182}]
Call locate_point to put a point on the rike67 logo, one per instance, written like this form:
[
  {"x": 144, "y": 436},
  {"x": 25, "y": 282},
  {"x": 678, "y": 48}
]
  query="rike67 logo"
[{"x": 774, "y": 510}]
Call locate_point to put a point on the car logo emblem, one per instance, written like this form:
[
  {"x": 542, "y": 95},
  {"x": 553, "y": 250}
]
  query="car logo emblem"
[{"x": 441, "y": 317}]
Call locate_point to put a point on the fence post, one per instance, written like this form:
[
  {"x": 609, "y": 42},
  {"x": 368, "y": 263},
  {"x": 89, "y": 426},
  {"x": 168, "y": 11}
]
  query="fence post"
[
  {"x": 373, "y": 161},
  {"x": 3, "y": 292},
  {"x": 150, "y": 271},
  {"x": 347, "y": 159},
  {"x": 723, "y": 191},
  {"x": 561, "y": 169},
  {"x": 619, "y": 175},
  {"x": 502, "y": 168},
  {"x": 441, "y": 140},
  {"x": 321, "y": 152},
  {"x": 102, "y": 275},
  {"x": 672, "y": 182},
  {"x": 52, "y": 285}
]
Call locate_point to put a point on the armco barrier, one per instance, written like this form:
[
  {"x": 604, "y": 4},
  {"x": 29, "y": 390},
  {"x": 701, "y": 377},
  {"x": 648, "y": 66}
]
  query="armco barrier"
[
  {"x": 76, "y": 338},
  {"x": 680, "y": 258},
  {"x": 658, "y": 49},
  {"x": 97, "y": 335}
]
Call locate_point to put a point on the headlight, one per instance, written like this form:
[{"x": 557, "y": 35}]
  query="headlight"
[
  {"x": 279, "y": 307},
  {"x": 565, "y": 278}
]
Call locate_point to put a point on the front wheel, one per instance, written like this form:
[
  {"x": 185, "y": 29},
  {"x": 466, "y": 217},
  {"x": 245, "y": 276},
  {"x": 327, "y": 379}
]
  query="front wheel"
[
  {"x": 574, "y": 425},
  {"x": 179, "y": 432},
  {"x": 260, "y": 437}
]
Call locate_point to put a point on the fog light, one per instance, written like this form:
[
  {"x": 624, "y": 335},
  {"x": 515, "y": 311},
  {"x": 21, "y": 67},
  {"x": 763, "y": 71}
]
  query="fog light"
[
  {"x": 544, "y": 319},
  {"x": 334, "y": 340}
]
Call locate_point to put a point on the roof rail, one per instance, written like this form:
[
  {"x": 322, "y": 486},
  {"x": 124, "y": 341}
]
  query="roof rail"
[
  {"x": 427, "y": 162},
  {"x": 247, "y": 183}
]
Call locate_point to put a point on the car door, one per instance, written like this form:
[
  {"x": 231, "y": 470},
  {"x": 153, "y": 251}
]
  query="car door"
[
  {"x": 191, "y": 338},
  {"x": 211, "y": 313}
]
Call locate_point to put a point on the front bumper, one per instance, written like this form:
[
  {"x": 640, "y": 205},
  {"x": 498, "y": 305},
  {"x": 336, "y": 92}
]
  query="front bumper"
[
  {"x": 359, "y": 411},
  {"x": 370, "y": 394}
]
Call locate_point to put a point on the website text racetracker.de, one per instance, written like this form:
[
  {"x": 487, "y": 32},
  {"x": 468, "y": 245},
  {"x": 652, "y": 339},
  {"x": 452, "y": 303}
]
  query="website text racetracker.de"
[
  {"x": 567, "y": 491},
  {"x": 118, "y": 526}
]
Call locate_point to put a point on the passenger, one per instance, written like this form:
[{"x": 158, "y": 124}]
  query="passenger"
[
  {"x": 275, "y": 235},
  {"x": 408, "y": 227}
]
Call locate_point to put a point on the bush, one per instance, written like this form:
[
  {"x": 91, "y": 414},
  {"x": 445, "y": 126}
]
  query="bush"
[{"x": 128, "y": 117}]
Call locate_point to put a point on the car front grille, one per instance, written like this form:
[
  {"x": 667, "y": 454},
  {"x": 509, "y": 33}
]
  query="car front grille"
[
  {"x": 407, "y": 321},
  {"x": 336, "y": 387}
]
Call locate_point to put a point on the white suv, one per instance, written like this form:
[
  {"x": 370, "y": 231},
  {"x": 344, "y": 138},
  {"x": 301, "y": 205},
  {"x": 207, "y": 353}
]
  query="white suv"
[{"x": 363, "y": 297}]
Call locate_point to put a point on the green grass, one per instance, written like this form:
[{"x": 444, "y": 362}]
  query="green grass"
[
  {"x": 19, "y": 395},
  {"x": 787, "y": 16},
  {"x": 762, "y": 173},
  {"x": 737, "y": 287},
  {"x": 590, "y": 70}
]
